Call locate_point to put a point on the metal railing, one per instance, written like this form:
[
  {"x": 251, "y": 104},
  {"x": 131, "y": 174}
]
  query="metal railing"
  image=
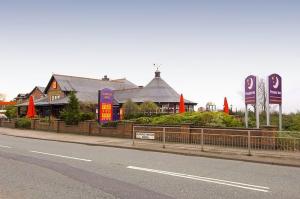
[{"x": 224, "y": 140}]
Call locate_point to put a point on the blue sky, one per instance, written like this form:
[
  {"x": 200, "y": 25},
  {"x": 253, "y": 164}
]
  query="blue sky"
[{"x": 205, "y": 48}]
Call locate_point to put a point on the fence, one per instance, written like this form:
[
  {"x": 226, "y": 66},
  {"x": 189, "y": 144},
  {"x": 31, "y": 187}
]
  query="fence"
[{"x": 222, "y": 140}]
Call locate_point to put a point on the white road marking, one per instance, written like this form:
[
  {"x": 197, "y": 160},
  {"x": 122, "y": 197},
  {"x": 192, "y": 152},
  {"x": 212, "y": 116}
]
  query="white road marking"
[
  {"x": 61, "y": 156},
  {"x": 205, "y": 179},
  {"x": 2, "y": 146}
]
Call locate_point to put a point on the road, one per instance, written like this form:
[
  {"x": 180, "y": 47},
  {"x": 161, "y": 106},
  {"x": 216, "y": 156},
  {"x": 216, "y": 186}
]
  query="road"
[{"x": 31, "y": 168}]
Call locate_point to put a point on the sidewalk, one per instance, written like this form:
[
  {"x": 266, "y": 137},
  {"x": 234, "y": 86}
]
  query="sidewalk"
[{"x": 183, "y": 149}]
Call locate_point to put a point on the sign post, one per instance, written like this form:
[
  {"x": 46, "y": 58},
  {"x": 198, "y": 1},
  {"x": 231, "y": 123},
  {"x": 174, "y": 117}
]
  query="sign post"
[
  {"x": 267, "y": 101},
  {"x": 105, "y": 106},
  {"x": 257, "y": 104},
  {"x": 274, "y": 96},
  {"x": 251, "y": 97}
]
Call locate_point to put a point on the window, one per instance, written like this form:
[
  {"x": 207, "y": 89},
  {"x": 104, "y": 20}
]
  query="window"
[
  {"x": 54, "y": 84},
  {"x": 54, "y": 97},
  {"x": 165, "y": 108}
]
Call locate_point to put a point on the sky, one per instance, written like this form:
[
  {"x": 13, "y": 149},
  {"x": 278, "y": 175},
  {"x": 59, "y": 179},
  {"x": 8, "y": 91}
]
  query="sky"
[{"x": 205, "y": 49}]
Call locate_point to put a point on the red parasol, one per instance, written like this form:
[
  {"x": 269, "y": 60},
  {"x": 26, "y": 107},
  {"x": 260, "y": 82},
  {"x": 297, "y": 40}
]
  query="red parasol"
[
  {"x": 181, "y": 104},
  {"x": 31, "y": 109},
  {"x": 226, "y": 107}
]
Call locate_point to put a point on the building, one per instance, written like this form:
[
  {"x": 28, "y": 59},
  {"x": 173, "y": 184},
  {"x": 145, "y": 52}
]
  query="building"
[
  {"x": 21, "y": 98},
  {"x": 37, "y": 92},
  {"x": 55, "y": 95}
]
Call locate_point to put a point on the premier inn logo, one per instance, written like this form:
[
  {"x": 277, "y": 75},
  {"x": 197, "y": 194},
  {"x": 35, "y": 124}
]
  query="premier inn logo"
[{"x": 275, "y": 82}]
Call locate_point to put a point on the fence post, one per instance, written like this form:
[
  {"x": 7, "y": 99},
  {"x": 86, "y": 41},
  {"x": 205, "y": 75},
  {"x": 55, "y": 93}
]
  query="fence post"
[
  {"x": 57, "y": 127},
  {"x": 294, "y": 144},
  {"x": 202, "y": 139},
  {"x": 90, "y": 128},
  {"x": 133, "y": 136},
  {"x": 164, "y": 137},
  {"x": 249, "y": 143}
]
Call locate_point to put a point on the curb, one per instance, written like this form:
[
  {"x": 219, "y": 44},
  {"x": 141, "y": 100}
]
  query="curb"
[{"x": 206, "y": 155}]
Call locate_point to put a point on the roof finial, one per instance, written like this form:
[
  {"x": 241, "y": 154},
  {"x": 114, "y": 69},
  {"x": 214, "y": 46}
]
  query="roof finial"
[{"x": 157, "y": 72}]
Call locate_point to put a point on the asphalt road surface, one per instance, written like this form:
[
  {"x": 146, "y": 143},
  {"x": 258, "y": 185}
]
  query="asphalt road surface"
[{"x": 32, "y": 169}]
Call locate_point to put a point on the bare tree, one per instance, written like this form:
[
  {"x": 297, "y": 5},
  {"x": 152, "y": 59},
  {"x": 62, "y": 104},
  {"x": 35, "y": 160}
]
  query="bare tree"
[
  {"x": 2, "y": 97},
  {"x": 262, "y": 95}
]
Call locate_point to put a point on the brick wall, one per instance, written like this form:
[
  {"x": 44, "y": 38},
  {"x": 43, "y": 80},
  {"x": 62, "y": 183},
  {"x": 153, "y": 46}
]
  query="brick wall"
[
  {"x": 8, "y": 124},
  {"x": 122, "y": 130},
  {"x": 185, "y": 132}
]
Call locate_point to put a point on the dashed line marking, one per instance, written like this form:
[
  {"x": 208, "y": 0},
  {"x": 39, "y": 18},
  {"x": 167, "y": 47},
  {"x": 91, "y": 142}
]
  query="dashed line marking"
[
  {"x": 61, "y": 156},
  {"x": 205, "y": 179}
]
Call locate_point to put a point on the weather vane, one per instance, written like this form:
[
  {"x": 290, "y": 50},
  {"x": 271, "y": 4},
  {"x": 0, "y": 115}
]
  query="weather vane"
[{"x": 157, "y": 66}]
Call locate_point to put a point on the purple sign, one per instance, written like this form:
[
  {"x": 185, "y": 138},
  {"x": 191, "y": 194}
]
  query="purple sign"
[
  {"x": 105, "y": 106},
  {"x": 250, "y": 90},
  {"x": 275, "y": 89}
]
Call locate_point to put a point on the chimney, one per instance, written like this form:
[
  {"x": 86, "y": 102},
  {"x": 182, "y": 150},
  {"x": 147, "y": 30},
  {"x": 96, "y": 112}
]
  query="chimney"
[
  {"x": 157, "y": 74},
  {"x": 105, "y": 78}
]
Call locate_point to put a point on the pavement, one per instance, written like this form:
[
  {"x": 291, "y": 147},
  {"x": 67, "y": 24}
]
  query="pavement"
[
  {"x": 266, "y": 157},
  {"x": 34, "y": 169}
]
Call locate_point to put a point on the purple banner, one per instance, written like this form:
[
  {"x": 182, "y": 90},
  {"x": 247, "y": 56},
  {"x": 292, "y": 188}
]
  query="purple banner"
[
  {"x": 105, "y": 106},
  {"x": 275, "y": 89},
  {"x": 250, "y": 90}
]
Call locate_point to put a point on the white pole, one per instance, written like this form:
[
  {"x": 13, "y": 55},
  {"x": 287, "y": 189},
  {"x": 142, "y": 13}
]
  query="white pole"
[
  {"x": 280, "y": 117},
  {"x": 246, "y": 115},
  {"x": 268, "y": 101},
  {"x": 257, "y": 104}
]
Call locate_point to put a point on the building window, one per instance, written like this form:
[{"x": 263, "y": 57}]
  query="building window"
[
  {"x": 54, "y": 84},
  {"x": 54, "y": 97},
  {"x": 165, "y": 108}
]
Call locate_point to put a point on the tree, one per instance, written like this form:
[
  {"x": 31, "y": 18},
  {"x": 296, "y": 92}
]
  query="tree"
[
  {"x": 262, "y": 95},
  {"x": 88, "y": 111},
  {"x": 148, "y": 108},
  {"x": 71, "y": 113},
  {"x": 11, "y": 112},
  {"x": 131, "y": 109}
]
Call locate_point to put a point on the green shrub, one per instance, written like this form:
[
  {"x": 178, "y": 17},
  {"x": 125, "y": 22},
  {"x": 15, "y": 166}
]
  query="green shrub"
[
  {"x": 210, "y": 119},
  {"x": 45, "y": 120},
  {"x": 110, "y": 124},
  {"x": 143, "y": 120},
  {"x": 23, "y": 123},
  {"x": 87, "y": 116}
]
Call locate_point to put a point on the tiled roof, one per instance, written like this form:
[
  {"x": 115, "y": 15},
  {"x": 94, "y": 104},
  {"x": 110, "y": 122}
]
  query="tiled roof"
[
  {"x": 81, "y": 84},
  {"x": 40, "y": 102},
  {"x": 156, "y": 91},
  {"x": 86, "y": 90},
  {"x": 42, "y": 89}
]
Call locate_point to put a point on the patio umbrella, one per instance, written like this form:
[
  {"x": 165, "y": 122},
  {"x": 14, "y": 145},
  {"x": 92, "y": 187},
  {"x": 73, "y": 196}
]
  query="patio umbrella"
[
  {"x": 181, "y": 104},
  {"x": 226, "y": 107},
  {"x": 31, "y": 109}
]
